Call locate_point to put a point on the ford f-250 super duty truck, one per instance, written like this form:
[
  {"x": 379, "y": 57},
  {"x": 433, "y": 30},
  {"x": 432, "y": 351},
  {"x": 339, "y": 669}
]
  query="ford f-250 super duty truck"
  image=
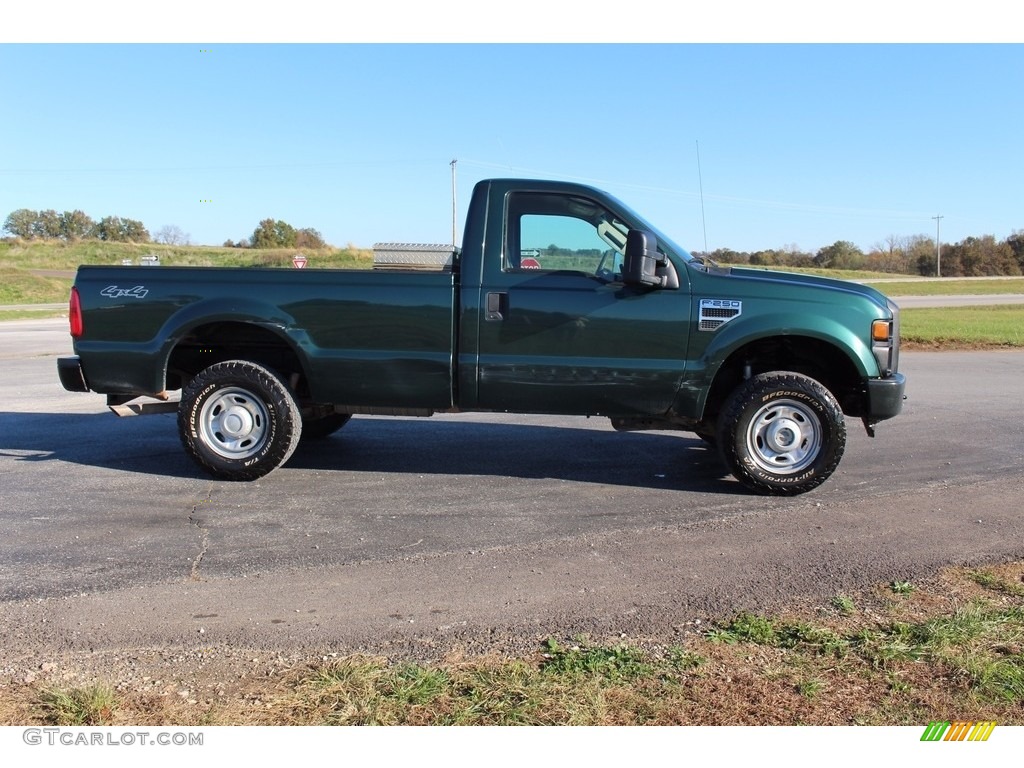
[{"x": 561, "y": 300}]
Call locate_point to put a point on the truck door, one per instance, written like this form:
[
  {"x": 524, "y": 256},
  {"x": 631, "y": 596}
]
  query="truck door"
[{"x": 559, "y": 329}]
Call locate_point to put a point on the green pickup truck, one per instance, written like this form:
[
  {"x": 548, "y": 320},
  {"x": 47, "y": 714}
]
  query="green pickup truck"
[{"x": 561, "y": 300}]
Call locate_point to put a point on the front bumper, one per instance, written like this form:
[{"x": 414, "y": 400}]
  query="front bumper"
[
  {"x": 71, "y": 376},
  {"x": 885, "y": 397}
]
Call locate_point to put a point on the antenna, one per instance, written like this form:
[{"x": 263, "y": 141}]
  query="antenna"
[
  {"x": 703, "y": 221},
  {"x": 454, "y": 161}
]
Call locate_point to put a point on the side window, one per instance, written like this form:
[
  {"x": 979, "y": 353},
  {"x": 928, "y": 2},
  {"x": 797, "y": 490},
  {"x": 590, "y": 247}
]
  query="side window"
[{"x": 559, "y": 232}]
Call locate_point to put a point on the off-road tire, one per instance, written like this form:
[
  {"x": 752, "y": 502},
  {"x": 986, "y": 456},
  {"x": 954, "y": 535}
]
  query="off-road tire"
[
  {"x": 781, "y": 433},
  {"x": 238, "y": 420}
]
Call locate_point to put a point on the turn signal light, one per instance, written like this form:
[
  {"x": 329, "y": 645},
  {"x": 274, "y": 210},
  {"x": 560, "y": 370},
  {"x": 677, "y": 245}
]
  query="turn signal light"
[
  {"x": 75, "y": 314},
  {"x": 881, "y": 330}
]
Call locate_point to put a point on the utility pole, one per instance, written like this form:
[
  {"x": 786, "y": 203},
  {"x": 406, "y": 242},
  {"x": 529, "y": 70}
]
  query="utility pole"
[
  {"x": 938, "y": 248},
  {"x": 454, "y": 161}
]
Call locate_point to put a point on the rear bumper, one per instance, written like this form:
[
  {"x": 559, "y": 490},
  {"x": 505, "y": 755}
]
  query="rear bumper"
[
  {"x": 71, "y": 376},
  {"x": 885, "y": 397}
]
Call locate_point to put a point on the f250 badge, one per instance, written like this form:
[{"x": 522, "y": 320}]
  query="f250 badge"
[
  {"x": 714, "y": 313},
  {"x": 113, "y": 292}
]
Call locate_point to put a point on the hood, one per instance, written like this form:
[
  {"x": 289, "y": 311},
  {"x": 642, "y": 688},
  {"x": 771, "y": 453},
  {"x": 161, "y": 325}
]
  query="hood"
[{"x": 815, "y": 281}]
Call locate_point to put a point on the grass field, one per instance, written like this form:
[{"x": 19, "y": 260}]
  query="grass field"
[
  {"x": 899, "y": 654},
  {"x": 945, "y": 328},
  {"x": 20, "y": 287},
  {"x": 68, "y": 256},
  {"x": 22, "y": 263}
]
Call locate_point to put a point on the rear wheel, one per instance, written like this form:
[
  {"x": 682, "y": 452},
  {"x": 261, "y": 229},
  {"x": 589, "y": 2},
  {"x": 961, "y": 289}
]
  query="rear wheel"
[
  {"x": 782, "y": 433},
  {"x": 238, "y": 420}
]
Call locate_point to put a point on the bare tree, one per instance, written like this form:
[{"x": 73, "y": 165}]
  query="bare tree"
[{"x": 171, "y": 234}]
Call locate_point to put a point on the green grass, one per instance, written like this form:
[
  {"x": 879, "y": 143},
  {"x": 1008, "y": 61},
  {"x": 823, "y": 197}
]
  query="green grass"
[
  {"x": 94, "y": 705},
  {"x": 844, "y": 604},
  {"x": 901, "y": 587},
  {"x": 20, "y": 264},
  {"x": 20, "y": 287},
  {"x": 977, "y": 644},
  {"x": 745, "y": 628},
  {"x": 569, "y": 684},
  {"x": 615, "y": 663},
  {"x": 991, "y": 581},
  {"x": 997, "y": 325}
]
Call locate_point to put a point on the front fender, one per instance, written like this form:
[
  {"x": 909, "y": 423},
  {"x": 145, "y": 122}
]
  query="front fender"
[{"x": 744, "y": 330}]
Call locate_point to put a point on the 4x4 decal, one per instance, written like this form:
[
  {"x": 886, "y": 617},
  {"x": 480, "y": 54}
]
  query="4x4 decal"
[{"x": 113, "y": 292}]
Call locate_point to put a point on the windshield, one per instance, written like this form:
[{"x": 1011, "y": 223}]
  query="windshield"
[{"x": 665, "y": 244}]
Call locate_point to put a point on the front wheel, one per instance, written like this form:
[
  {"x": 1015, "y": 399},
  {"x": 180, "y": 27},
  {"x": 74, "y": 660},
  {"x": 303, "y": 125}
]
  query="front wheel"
[
  {"x": 238, "y": 420},
  {"x": 782, "y": 433}
]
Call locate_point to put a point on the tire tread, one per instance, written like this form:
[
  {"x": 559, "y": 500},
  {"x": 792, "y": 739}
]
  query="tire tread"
[
  {"x": 751, "y": 394},
  {"x": 251, "y": 375}
]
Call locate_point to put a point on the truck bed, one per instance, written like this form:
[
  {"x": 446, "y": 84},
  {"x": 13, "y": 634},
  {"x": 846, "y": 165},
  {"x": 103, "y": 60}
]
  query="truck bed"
[{"x": 369, "y": 338}]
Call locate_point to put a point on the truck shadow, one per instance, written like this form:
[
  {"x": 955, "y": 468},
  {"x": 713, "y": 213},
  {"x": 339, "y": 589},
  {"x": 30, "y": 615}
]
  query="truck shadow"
[
  {"x": 147, "y": 445},
  {"x": 591, "y": 453},
  {"x": 460, "y": 447}
]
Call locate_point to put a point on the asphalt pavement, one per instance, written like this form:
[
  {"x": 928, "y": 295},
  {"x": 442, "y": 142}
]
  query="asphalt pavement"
[{"x": 471, "y": 530}]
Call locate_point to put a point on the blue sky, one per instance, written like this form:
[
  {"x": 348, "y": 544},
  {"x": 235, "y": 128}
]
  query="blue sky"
[{"x": 799, "y": 144}]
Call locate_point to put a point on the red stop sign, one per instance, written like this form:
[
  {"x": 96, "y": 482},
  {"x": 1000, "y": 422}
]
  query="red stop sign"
[{"x": 529, "y": 263}]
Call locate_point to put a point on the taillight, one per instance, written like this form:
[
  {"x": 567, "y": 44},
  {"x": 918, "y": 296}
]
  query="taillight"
[{"x": 75, "y": 314}]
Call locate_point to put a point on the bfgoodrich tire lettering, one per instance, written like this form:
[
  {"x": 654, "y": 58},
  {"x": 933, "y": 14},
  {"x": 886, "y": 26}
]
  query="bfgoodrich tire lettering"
[
  {"x": 782, "y": 433},
  {"x": 238, "y": 420}
]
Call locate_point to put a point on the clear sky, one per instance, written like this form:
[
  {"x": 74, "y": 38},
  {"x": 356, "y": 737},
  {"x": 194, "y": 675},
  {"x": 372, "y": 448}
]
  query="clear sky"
[{"x": 799, "y": 144}]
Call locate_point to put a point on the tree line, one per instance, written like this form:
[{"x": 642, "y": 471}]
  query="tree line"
[
  {"x": 73, "y": 225},
  {"x": 70, "y": 226},
  {"x": 916, "y": 255},
  {"x": 274, "y": 233}
]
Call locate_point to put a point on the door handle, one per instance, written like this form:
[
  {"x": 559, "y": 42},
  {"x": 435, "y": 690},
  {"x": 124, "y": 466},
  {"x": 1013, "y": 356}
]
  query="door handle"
[{"x": 497, "y": 306}]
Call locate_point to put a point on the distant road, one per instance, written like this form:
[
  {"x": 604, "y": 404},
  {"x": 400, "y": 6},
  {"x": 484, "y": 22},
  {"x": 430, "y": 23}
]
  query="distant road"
[{"x": 911, "y": 279}]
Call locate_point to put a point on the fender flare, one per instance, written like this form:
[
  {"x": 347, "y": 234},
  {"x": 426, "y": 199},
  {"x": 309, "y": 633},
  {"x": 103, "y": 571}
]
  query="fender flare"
[{"x": 244, "y": 311}]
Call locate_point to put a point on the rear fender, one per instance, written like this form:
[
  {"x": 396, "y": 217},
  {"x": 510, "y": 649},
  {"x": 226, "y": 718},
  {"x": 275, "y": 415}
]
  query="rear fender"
[{"x": 250, "y": 312}]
